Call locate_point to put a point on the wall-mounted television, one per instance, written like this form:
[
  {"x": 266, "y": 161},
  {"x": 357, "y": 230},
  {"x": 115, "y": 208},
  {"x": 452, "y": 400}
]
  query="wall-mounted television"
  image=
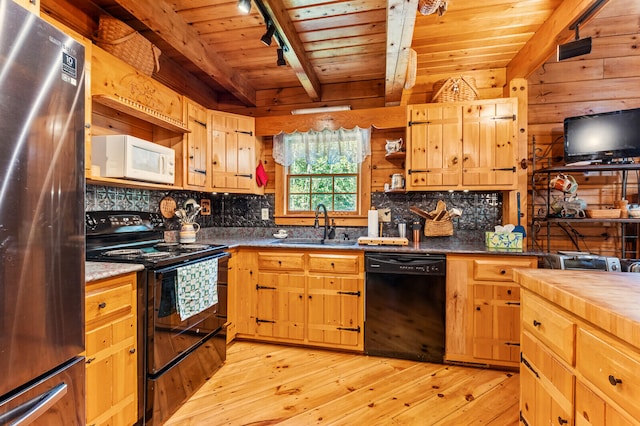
[{"x": 606, "y": 137}]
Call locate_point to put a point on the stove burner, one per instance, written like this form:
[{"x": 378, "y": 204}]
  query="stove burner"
[
  {"x": 167, "y": 246},
  {"x": 155, "y": 255},
  {"x": 123, "y": 252},
  {"x": 193, "y": 246}
]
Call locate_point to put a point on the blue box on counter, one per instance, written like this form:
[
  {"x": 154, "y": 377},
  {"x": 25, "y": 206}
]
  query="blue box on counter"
[{"x": 503, "y": 241}]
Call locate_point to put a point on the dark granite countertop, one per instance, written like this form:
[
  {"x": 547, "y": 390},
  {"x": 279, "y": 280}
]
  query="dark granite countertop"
[
  {"x": 94, "y": 271},
  {"x": 443, "y": 245}
]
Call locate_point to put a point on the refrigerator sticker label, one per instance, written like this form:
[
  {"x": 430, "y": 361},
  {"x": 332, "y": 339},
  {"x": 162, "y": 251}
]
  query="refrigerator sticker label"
[{"x": 69, "y": 68}]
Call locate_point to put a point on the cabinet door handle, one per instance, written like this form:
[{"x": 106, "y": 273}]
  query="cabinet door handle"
[
  {"x": 526, "y": 363},
  {"x": 505, "y": 117},
  {"x": 614, "y": 381},
  {"x": 536, "y": 323},
  {"x": 90, "y": 360},
  {"x": 350, "y": 293},
  {"x": 264, "y": 287},
  {"x": 250, "y": 175},
  {"x": 505, "y": 169},
  {"x": 503, "y": 271},
  {"x": 244, "y": 132},
  {"x": 132, "y": 350},
  {"x": 356, "y": 329},
  {"x": 562, "y": 421},
  {"x": 102, "y": 305}
]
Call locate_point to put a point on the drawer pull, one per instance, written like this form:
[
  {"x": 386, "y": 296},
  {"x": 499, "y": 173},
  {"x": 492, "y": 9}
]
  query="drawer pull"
[
  {"x": 102, "y": 305},
  {"x": 90, "y": 360},
  {"x": 614, "y": 381},
  {"x": 562, "y": 421},
  {"x": 132, "y": 350},
  {"x": 503, "y": 271},
  {"x": 536, "y": 323}
]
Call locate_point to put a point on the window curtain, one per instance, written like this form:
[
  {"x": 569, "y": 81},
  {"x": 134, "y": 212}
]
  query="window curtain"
[{"x": 354, "y": 144}]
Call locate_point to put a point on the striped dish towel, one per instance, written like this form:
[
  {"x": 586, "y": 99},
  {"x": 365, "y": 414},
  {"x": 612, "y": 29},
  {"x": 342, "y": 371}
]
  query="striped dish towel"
[{"x": 197, "y": 287}]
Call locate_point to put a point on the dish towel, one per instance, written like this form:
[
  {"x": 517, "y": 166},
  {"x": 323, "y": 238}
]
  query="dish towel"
[{"x": 197, "y": 287}]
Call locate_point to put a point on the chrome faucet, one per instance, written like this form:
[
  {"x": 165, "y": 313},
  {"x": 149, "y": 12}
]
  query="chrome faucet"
[{"x": 326, "y": 220}]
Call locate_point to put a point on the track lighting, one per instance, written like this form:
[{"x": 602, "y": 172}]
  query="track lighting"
[
  {"x": 244, "y": 6},
  {"x": 281, "y": 61},
  {"x": 266, "y": 38},
  {"x": 574, "y": 48}
]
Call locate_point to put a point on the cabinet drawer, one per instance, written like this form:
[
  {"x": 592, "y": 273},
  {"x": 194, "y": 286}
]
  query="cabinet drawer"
[
  {"x": 615, "y": 373},
  {"x": 550, "y": 325},
  {"x": 281, "y": 261},
  {"x": 499, "y": 269},
  {"x": 105, "y": 301},
  {"x": 344, "y": 264}
]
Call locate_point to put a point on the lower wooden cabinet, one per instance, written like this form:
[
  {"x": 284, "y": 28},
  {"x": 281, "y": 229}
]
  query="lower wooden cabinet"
[
  {"x": 572, "y": 372},
  {"x": 111, "y": 351},
  {"x": 312, "y": 297},
  {"x": 483, "y": 309}
]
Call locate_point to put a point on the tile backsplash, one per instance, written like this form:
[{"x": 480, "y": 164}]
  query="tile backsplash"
[{"x": 480, "y": 210}]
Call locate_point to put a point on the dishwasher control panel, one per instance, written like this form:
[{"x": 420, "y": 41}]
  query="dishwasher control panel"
[{"x": 399, "y": 263}]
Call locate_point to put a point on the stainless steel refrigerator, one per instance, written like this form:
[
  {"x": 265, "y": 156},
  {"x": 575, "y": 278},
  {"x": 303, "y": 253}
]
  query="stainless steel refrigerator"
[{"x": 41, "y": 222}]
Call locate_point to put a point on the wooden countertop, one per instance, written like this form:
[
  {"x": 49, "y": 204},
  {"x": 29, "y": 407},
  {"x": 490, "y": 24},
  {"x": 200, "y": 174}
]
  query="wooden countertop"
[{"x": 609, "y": 300}]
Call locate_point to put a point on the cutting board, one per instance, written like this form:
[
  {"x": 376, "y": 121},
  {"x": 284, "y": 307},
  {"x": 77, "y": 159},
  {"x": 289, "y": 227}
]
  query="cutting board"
[{"x": 383, "y": 241}]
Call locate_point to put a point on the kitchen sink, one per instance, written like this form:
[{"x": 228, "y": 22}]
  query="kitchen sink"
[{"x": 315, "y": 242}]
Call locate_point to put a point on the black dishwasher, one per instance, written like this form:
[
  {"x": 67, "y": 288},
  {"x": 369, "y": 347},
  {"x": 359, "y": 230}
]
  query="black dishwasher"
[{"x": 405, "y": 306}]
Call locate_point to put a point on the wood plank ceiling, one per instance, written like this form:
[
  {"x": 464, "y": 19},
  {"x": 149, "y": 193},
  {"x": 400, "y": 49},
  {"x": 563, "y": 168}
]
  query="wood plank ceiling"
[{"x": 341, "y": 43}]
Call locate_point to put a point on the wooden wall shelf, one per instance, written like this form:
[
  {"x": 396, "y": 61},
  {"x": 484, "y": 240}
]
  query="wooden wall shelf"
[
  {"x": 401, "y": 155},
  {"x": 142, "y": 112}
]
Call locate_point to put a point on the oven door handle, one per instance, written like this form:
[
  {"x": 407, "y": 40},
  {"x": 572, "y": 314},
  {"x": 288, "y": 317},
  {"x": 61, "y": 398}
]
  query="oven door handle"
[{"x": 174, "y": 267}]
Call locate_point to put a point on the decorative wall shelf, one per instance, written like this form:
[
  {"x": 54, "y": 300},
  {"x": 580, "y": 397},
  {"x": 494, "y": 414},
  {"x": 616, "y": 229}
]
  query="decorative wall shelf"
[{"x": 400, "y": 155}]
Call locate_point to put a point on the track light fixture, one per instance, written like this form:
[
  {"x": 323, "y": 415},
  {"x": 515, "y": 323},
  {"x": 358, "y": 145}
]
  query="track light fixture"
[
  {"x": 266, "y": 37},
  {"x": 244, "y": 6},
  {"x": 574, "y": 48},
  {"x": 579, "y": 47},
  {"x": 281, "y": 62}
]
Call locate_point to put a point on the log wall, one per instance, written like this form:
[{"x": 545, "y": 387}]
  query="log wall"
[{"x": 607, "y": 79}]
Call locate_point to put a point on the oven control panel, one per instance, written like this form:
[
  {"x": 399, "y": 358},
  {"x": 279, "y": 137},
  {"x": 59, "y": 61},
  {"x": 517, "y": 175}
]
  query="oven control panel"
[{"x": 101, "y": 222}]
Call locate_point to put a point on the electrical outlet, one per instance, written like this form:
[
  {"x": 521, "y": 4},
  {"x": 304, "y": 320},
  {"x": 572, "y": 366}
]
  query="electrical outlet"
[
  {"x": 265, "y": 214},
  {"x": 384, "y": 215}
]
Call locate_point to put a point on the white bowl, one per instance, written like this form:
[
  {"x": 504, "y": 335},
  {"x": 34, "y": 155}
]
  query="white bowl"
[
  {"x": 280, "y": 236},
  {"x": 635, "y": 212}
]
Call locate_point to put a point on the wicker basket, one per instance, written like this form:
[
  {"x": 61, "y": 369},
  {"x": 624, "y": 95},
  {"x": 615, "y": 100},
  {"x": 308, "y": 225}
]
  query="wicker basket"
[
  {"x": 438, "y": 228},
  {"x": 427, "y": 7},
  {"x": 455, "y": 89},
  {"x": 124, "y": 42}
]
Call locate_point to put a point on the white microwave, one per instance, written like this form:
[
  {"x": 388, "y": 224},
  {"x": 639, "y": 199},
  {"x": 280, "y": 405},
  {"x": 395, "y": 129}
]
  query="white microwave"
[{"x": 128, "y": 157}]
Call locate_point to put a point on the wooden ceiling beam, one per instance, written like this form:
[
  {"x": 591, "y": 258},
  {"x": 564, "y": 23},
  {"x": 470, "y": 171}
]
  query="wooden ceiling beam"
[
  {"x": 295, "y": 54},
  {"x": 401, "y": 20},
  {"x": 160, "y": 17},
  {"x": 544, "y": 42}
]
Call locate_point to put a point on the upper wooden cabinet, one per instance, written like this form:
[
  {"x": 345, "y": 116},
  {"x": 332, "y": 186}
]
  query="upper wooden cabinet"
[
  {"x": 234, "y": 154},
  {"x": 458, "y": 146},
  {"x": 196, "y": 146},
  {"x": 32, "y": 6}
]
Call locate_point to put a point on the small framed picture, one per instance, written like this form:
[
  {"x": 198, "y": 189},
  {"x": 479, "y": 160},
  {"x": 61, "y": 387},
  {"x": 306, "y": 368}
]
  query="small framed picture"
[{"x": 206, "y": 207}]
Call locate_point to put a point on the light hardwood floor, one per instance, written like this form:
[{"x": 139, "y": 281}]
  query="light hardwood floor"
[{"x": 263, "y": 384}]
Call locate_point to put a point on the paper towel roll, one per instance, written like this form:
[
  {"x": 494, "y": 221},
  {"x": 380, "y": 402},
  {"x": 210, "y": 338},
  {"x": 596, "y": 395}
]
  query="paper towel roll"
[{"x": 372, "y": 223}]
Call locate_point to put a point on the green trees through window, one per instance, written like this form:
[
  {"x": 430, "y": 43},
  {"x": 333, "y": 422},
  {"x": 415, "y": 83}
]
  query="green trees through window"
[{"x": 334, "y": 185}]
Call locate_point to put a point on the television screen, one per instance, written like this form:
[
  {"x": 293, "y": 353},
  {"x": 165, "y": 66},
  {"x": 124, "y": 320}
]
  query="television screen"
[{"x": 606, "y": 137}]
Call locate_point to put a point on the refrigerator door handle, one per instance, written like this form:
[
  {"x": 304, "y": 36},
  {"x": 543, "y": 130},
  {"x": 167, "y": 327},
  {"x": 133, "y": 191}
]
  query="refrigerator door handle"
[{"x": 29, "y": 412}]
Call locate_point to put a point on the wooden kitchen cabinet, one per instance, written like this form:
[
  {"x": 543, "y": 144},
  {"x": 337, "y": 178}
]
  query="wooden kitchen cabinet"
[
  {"x": 312, "y": 297},
  {"x": 571, "y": 369},
  {"x": 234, "y": 154},
  {"x": 32, "y": 6},
  {"x": 196, "y": 146},
  {"x": 335, "y": 300},
  {"x": 483, "y": 309},
  {"x": 111, "y": 351},
  {"x": 471, "y": 145}
]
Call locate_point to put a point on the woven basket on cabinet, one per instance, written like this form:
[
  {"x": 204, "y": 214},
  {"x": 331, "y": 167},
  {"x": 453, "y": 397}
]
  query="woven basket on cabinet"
[
  {"x": 455, "y": 89},
  {"x": 438, "y": 228},
  {"x": 125, "y": 43}
]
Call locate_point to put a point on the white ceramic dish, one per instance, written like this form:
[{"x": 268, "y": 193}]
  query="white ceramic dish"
[{"x": 280, "y": 236}]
